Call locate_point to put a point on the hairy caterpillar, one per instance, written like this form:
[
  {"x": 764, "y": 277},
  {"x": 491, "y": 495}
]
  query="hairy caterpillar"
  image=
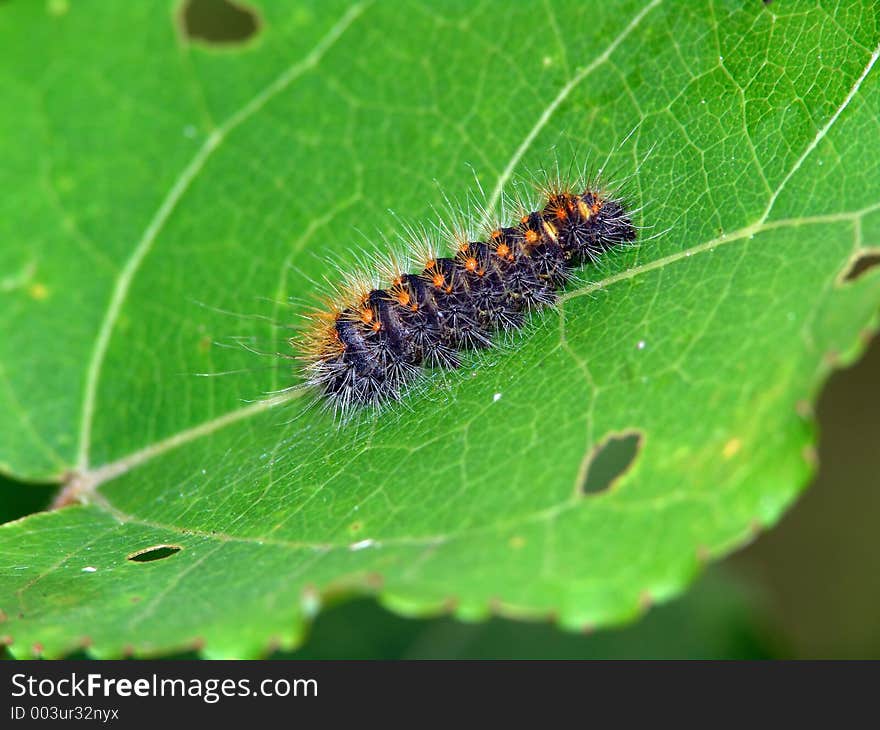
[{"x": 367, "y": 344}]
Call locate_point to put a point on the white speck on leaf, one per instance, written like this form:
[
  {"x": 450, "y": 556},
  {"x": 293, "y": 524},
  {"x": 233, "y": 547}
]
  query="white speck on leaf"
[
  {"x": 89, "y": 569},
  {"x": 641, "y": 345},
  {"x": 496, "y": 397},
  {"x": 360, "y": 545},
  {"x": 311, "y": 602}
]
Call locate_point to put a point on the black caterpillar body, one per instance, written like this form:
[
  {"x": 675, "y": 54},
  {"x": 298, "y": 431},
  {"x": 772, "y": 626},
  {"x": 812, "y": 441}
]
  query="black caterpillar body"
[{"x": 366, "y": 352}]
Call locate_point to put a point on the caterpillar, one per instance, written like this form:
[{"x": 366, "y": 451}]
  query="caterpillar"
[{"x": 367, "y": 344}]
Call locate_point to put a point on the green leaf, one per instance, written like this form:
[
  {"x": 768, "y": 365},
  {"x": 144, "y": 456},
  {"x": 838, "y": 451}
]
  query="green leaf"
[{"x": 154, "y": 187}]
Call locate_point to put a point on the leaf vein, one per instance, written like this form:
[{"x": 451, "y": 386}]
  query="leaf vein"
[{"x": 169, "y": 204}]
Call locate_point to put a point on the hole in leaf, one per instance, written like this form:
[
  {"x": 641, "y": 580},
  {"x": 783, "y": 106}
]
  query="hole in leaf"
[
  {"x": 155, "y": 552},
  {"x": 862, "y": 265},
  {"x": 221, "y": 22},
  {"x": 610, "y": 460}
]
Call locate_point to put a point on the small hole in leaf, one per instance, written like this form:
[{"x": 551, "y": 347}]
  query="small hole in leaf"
[
  {"x": 611, "y": 460},
  {"x": 221, "y": 22},
  {"x": 862, "y": 265},
  {"x": 154, "y": 552}
]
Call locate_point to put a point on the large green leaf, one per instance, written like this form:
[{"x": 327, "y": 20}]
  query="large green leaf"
[{"x": 153, "y": 187}]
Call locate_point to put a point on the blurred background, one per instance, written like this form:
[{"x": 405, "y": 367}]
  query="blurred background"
[{"x": 809, "y": 588}]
